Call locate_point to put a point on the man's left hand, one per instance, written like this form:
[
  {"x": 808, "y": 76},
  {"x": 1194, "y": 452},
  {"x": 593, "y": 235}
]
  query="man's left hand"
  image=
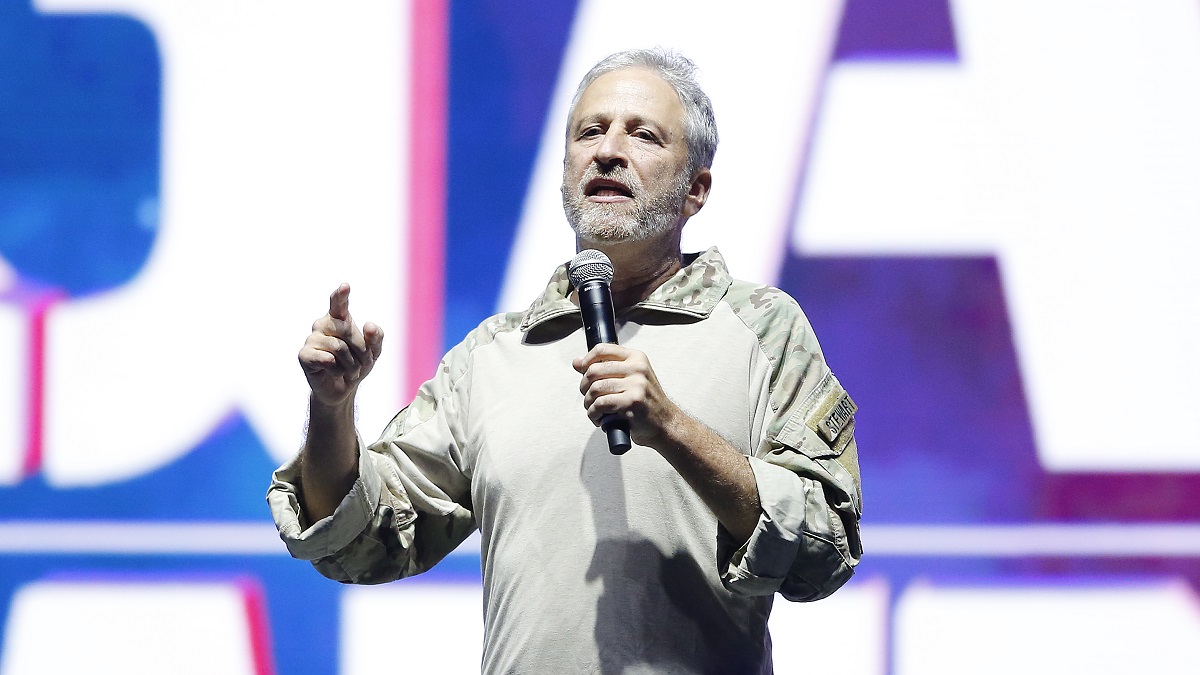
[{"x": 620, "y": 381}]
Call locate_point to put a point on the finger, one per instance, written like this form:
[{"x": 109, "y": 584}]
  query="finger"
[
  {"x": 343, "y": 330},
  {"x": 373, "y": 335},
  {"x": 610, "y": 387},
  {"x": 357, "y": 343},
  {"x": 342, "y": 326},
  {"x": 601, "y": 352},
  {"x": 339, "y": 303},
  {"x": 340, "y": 350},
  {"x": 314, "y": 360},
  {"x": 607, "y": 351},
  {"x": 327, "y": 325},
  {"x": 611, "y": 404},
  {"x": 603, "y": 370}
]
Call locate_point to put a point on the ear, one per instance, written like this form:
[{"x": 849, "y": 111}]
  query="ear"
[{"x": 697, "y": 192}]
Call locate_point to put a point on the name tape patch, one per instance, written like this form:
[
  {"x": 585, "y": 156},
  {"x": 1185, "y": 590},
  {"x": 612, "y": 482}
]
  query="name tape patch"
[{"x": 838, "y": 416}]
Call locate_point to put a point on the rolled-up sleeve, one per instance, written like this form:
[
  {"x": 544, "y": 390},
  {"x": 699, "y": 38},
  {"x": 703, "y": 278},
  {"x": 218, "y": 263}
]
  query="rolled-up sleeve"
[
  {"x": 806, "y": 543},
  {"x": 409, "y": 506},
  {"x": 332, "y": 533}
]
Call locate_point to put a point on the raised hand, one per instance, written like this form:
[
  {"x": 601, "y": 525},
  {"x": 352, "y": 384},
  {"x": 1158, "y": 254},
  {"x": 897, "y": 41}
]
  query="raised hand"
[{"x": 337, "y": 355}]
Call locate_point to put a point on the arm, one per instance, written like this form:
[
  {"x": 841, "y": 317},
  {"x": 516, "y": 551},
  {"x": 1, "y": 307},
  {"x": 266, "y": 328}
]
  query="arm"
[
  {"x": 791, "y": 525},
  {"x": 335, "y": 358},
  {"x": 371, "y": 514},
  {"x": 806, "y": 466}
]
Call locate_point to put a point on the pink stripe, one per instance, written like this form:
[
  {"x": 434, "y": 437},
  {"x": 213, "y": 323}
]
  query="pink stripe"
[
  {"x": 260, "y": 628},
  {"x": 38, "y": 308},
  {"x": 427, "y": 191}
]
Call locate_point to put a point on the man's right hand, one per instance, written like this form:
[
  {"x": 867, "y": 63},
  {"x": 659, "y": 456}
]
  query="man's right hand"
[{"x": 337, "y": 355}]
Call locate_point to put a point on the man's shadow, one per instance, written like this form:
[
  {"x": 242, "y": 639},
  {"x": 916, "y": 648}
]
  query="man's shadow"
[{"x": 658, "y": 610}]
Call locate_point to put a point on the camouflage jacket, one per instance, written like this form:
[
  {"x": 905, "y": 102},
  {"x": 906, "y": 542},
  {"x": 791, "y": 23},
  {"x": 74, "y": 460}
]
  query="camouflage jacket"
[{"x": 585, "y": 548}]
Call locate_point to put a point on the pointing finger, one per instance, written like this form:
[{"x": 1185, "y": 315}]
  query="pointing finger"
[{"x": 339, "y": 303}]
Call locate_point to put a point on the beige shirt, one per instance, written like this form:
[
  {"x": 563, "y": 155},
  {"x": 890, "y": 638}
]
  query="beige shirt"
[{"x": 595, "y": 563}]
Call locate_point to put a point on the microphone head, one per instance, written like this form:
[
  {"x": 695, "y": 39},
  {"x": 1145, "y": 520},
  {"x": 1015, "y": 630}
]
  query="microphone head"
[{"x": 590, "y": 265}]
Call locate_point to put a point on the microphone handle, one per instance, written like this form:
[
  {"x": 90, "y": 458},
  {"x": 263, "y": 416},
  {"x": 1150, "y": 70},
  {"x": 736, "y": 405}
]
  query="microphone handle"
[{"x": 600, "y": 326}]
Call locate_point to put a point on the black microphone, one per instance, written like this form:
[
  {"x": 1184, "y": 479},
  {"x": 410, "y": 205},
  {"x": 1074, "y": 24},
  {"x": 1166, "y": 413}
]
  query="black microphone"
[{"x": 591, "y": 272}]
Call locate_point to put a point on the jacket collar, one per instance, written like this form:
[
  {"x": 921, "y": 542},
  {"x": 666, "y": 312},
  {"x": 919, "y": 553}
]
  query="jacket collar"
[{"x": 694, "y": 291}]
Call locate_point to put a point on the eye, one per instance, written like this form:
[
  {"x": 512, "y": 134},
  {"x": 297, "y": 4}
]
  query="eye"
[
  {"x": 645, "y": 135},
  {"x": 588, "y": 132}
]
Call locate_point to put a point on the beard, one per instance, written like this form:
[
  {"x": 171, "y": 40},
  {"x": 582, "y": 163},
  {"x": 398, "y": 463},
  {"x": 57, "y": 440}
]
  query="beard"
[{"x": 652, "y": 214}]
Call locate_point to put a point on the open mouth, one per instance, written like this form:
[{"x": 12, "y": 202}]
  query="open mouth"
[{"x": 606, "y": 188}]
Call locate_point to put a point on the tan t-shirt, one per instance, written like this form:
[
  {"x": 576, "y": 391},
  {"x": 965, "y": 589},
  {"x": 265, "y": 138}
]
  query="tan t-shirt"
[{"x": 601, "y": 563}]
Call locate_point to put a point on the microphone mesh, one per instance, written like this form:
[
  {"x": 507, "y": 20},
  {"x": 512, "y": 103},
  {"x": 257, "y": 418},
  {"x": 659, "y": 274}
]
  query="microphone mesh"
[{"x": 590, "y": 265}]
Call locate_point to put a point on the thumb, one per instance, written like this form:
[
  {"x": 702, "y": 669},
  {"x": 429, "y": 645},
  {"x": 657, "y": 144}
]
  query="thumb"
[{"x": 373, "y": 335}]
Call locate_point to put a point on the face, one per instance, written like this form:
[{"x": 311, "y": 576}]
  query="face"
[{"x": 625, "y": 174}]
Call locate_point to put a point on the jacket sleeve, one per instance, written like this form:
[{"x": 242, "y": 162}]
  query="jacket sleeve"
[
  {"x": 806, "y": 543},
  {"x": 410, "y": 505}
]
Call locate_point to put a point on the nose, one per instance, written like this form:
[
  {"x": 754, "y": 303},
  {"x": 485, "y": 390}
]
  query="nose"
[{"x": 613, "y": 149}]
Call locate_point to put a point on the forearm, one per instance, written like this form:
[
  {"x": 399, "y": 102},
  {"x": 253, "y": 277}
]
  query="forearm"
[
  {"x": 719, "y": 474},
  {"x": 329, "y": 457}
]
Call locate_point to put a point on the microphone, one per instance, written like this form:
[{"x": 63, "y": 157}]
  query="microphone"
[{"x": 591, "y": 272}]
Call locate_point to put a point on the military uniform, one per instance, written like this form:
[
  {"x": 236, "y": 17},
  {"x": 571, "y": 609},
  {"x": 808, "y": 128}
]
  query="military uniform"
[{"x": 594, "y": 562}]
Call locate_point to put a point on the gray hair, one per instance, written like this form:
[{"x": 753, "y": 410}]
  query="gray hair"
[{"x": 678, "y": 71}]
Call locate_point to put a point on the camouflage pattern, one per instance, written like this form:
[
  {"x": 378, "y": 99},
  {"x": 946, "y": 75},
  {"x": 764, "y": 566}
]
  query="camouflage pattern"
[
  {"x": 412, "y": 505},
  {"x": 821, "y": 557},
  {"x": 554, "y": 302},
  {"x": 376, "y": 535},
  {"x": 802, "y": 389}
]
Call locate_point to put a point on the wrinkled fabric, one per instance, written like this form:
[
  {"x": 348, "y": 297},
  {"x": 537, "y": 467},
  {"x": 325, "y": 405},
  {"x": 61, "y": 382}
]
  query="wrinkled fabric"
[{"x": 594, "y": 562}]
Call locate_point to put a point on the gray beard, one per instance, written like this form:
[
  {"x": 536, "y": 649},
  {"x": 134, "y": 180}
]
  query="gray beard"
[{"x": 652, "y": 215}]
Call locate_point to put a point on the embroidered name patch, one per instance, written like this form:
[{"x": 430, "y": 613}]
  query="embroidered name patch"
[{"x": 838, "y": 415}]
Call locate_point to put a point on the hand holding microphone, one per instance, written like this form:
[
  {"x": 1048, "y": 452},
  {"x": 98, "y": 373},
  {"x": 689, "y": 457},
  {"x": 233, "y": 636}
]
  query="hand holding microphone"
[{"x": 591, "y": 273}]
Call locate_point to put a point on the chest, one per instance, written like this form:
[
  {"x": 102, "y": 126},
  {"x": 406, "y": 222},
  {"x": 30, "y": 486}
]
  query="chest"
[{"x": 533, "y": 452}]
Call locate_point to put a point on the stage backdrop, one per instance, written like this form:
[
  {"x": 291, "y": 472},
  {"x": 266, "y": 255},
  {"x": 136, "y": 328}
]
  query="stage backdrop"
[{"x": 989, "y": 210}]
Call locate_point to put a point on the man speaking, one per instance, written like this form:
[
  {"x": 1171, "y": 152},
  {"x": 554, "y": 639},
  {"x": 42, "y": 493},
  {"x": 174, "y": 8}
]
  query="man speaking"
[{"x": 742, "y": 480}]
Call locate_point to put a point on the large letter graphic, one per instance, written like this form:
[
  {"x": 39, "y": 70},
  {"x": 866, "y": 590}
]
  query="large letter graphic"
[{"x": 1065, "y": 143}]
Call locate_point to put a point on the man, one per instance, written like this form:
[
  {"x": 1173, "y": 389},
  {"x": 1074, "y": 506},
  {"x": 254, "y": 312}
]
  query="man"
[{"x": 743, "y": 478}]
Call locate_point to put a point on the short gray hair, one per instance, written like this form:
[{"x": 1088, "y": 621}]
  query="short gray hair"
[{"x": 678, "y": 71}]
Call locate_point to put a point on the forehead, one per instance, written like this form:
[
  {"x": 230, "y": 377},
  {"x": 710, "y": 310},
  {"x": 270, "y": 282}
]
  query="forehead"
[{"x": 631, "y": 92}]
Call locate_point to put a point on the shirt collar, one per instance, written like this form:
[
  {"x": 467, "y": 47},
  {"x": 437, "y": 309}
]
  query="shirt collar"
[{"x": 694, "y": 291}]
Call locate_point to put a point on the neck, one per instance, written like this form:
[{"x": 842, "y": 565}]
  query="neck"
[{"x": 639, "y": 266}]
